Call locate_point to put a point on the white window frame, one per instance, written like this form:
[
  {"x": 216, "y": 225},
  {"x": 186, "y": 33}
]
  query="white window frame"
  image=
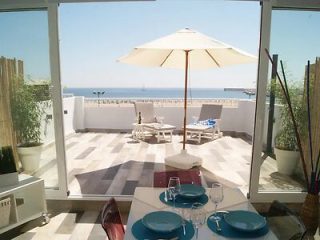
[
  {"x": 263, "y": 75},
  {"x": 51, "y": 6},
  {"x": 263, "y": 66},
  {"x": 52, "y": 14}
]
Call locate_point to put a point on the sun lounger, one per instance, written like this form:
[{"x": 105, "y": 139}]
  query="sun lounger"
[
  {"x": 150, "y": 123},
  {"x": 208, "y": 124}
]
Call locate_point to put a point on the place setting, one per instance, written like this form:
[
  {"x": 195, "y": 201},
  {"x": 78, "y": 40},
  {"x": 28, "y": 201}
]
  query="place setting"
[
  {"x": 183, "y": 195},
  {"x": 187, "y": 201},
  {"x": 234, "y": 223}
]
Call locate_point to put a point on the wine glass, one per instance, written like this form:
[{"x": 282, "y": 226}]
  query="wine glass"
[
  {"x": 195, "y": 119},
  {"x": 186, "y": 216},
  {"x": 160, "y": 120},
  {"x": 216, "y": 196},
  {"x": 198, "y": 216},
  {"x": 174, "y": 188}
]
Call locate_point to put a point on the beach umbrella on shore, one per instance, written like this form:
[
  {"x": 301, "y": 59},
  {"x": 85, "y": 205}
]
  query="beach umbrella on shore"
[{"x": 186, "y": 49}]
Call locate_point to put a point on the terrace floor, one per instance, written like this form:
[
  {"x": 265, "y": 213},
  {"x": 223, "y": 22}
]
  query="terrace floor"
[
  {"x": 103, "y": 163},
  {"x": 115, "y": 164}
]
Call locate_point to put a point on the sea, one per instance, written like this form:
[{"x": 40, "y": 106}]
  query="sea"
[{"x": 158, "y": 93}]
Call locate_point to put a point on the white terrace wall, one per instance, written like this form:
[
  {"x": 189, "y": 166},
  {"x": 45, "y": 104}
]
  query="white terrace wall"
[
  {"x": 239, "y": 119},
  {"x": 119, "y": 117}
]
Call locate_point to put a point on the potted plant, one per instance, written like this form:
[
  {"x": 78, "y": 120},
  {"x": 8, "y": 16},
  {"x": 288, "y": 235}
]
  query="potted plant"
[
  {"x": 27, "y": 114},
  {"x": 286, "y": 146},
  {"x": 286, "y": 151}
]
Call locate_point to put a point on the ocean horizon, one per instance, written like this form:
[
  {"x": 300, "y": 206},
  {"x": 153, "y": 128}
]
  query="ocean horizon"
[{"x": 159, "y": 93}]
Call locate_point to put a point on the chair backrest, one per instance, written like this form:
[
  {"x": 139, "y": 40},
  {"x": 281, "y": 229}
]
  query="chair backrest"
[
  {"x": 147, "y": 111},
  {"x": 161, "y": 179},
  {"x": 111, "y": 220},
  {"x": 210, "y": 111},
  {"x": 285, "y": 223}
]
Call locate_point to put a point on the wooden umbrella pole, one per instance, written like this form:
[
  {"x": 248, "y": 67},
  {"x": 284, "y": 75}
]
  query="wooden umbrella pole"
[{"x": 185, "y": 98}]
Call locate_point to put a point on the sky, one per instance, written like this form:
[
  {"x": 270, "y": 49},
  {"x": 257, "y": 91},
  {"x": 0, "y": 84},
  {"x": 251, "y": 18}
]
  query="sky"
[
  {"x": 94, "y": 35},
  {"x": 295, "y": 38}
]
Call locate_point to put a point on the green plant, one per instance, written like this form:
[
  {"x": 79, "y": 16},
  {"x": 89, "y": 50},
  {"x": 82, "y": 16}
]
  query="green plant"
[
  {"x": 286, "y": 137},
  {"x": 26, "y": 114},
  {"x": 310, "y": 161}
]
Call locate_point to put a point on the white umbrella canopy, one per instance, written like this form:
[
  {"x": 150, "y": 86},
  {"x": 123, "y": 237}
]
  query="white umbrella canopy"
[
  {"x": 169, "y": 51},
  {"x": 183, "y": 50}
]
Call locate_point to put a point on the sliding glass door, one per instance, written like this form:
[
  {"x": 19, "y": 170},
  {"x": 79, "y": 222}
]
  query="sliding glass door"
[
  {"x": 28, "y": 89},
  {"x": 277, "y": 171}
]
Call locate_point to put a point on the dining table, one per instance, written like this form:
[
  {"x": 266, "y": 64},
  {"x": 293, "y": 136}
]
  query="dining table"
[{"x": 146, "y": 200}]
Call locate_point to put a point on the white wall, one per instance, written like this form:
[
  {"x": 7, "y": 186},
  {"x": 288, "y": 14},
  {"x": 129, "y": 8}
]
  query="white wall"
[
  {"x": 79, "y": 117},
  {"x": 69, "y": 116},
  {"x": 47, "y": 126},
  {"x": 240, "y": 119}
]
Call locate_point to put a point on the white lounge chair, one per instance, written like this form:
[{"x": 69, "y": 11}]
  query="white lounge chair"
[
  {"x": 208, "y": 124},
  {"x": 150, "y": 124},
  {"x": 147, "y": 111}
]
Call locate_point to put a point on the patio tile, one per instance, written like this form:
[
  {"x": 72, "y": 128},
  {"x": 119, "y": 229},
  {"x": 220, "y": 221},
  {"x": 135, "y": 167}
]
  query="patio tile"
[
  {"x": 70, "y": 145},
  {"x": 85, "y": 153},
  {"x": 111, "y": 172},
  {"x": 96, "y": 138},
  {"x": 117, "y": 148},
  {"x": 129, "y": 187},
  {"x": 68, "y": 224}
]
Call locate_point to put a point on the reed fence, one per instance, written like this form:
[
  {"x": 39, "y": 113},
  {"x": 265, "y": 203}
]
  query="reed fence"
[
  {"x": 11, "y": 73},
  {"x": 315, "y": 112}
]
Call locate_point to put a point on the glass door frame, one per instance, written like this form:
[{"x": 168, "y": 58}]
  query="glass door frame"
[
  {"x": 263, "y": 75},
  {"x": 57, "y": 104}
]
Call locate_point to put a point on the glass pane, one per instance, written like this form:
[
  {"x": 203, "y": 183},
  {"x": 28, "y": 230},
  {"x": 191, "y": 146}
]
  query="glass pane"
[
  {"x": 103, "y": 156},
  {"x": 294, "y": 35},
  {"x": 26, "y": 103}
]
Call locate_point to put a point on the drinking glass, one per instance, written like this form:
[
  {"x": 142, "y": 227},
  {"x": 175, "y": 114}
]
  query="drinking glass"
[
  {"x": 198, "y": 216},
  {"x": 186, "y": 216},
  {"x": 216, "y": 196},
  {"x": 160, "y": 120},
  {"x": 174, "y": 188},
  {"x": 195, "y": 119}
]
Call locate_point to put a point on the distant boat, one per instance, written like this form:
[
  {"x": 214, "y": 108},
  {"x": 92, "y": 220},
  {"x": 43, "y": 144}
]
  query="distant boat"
[{"x": 143, "y": 88}]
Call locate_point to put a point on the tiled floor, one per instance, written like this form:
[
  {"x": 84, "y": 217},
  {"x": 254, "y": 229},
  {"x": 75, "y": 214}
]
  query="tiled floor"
[
  {"x": 72, "y": 225},
  {"x": 114, "y": 164}
]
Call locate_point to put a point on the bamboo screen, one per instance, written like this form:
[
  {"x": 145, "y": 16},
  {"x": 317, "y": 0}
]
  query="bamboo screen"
[
  {"x": 315, "y": 113},
  {"x": 11, "y": 70}
]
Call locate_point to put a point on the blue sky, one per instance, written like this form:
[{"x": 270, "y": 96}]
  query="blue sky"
[
  {"x": 24, "y": 36},
  {"x": 94, "y": 35},
  {"x": 295, "y": 38}
]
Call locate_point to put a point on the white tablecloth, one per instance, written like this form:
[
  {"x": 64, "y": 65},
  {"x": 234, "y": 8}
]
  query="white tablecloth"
[{"x": 146, "y": 200}]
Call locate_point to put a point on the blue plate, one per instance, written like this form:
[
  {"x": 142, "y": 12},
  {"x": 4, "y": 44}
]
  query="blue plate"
[
  {"x": 191, "y": 191},
  {"x": 230, "y": 232},
  {"x": 140, "y": 232},
  {"x": 245, "y": 220},
  {"x": 182, "y": 202},
  {"x": 162, "y": 221}
]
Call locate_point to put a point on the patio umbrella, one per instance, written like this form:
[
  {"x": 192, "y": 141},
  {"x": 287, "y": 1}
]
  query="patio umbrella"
[{"x": 186, "y": 49}]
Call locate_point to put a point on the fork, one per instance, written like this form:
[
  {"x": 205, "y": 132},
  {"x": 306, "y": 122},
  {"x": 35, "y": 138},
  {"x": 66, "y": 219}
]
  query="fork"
[
  {"x": 218, "y": 226},
  {"x": 184, "y": 226}
]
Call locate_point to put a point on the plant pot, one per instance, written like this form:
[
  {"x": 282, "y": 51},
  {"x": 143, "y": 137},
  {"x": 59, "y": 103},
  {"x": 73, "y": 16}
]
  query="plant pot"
[
  {"x": 30, "y": 157},
  {"x": 310, "y": 213},
  {"x": 286, "y": 160}
]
